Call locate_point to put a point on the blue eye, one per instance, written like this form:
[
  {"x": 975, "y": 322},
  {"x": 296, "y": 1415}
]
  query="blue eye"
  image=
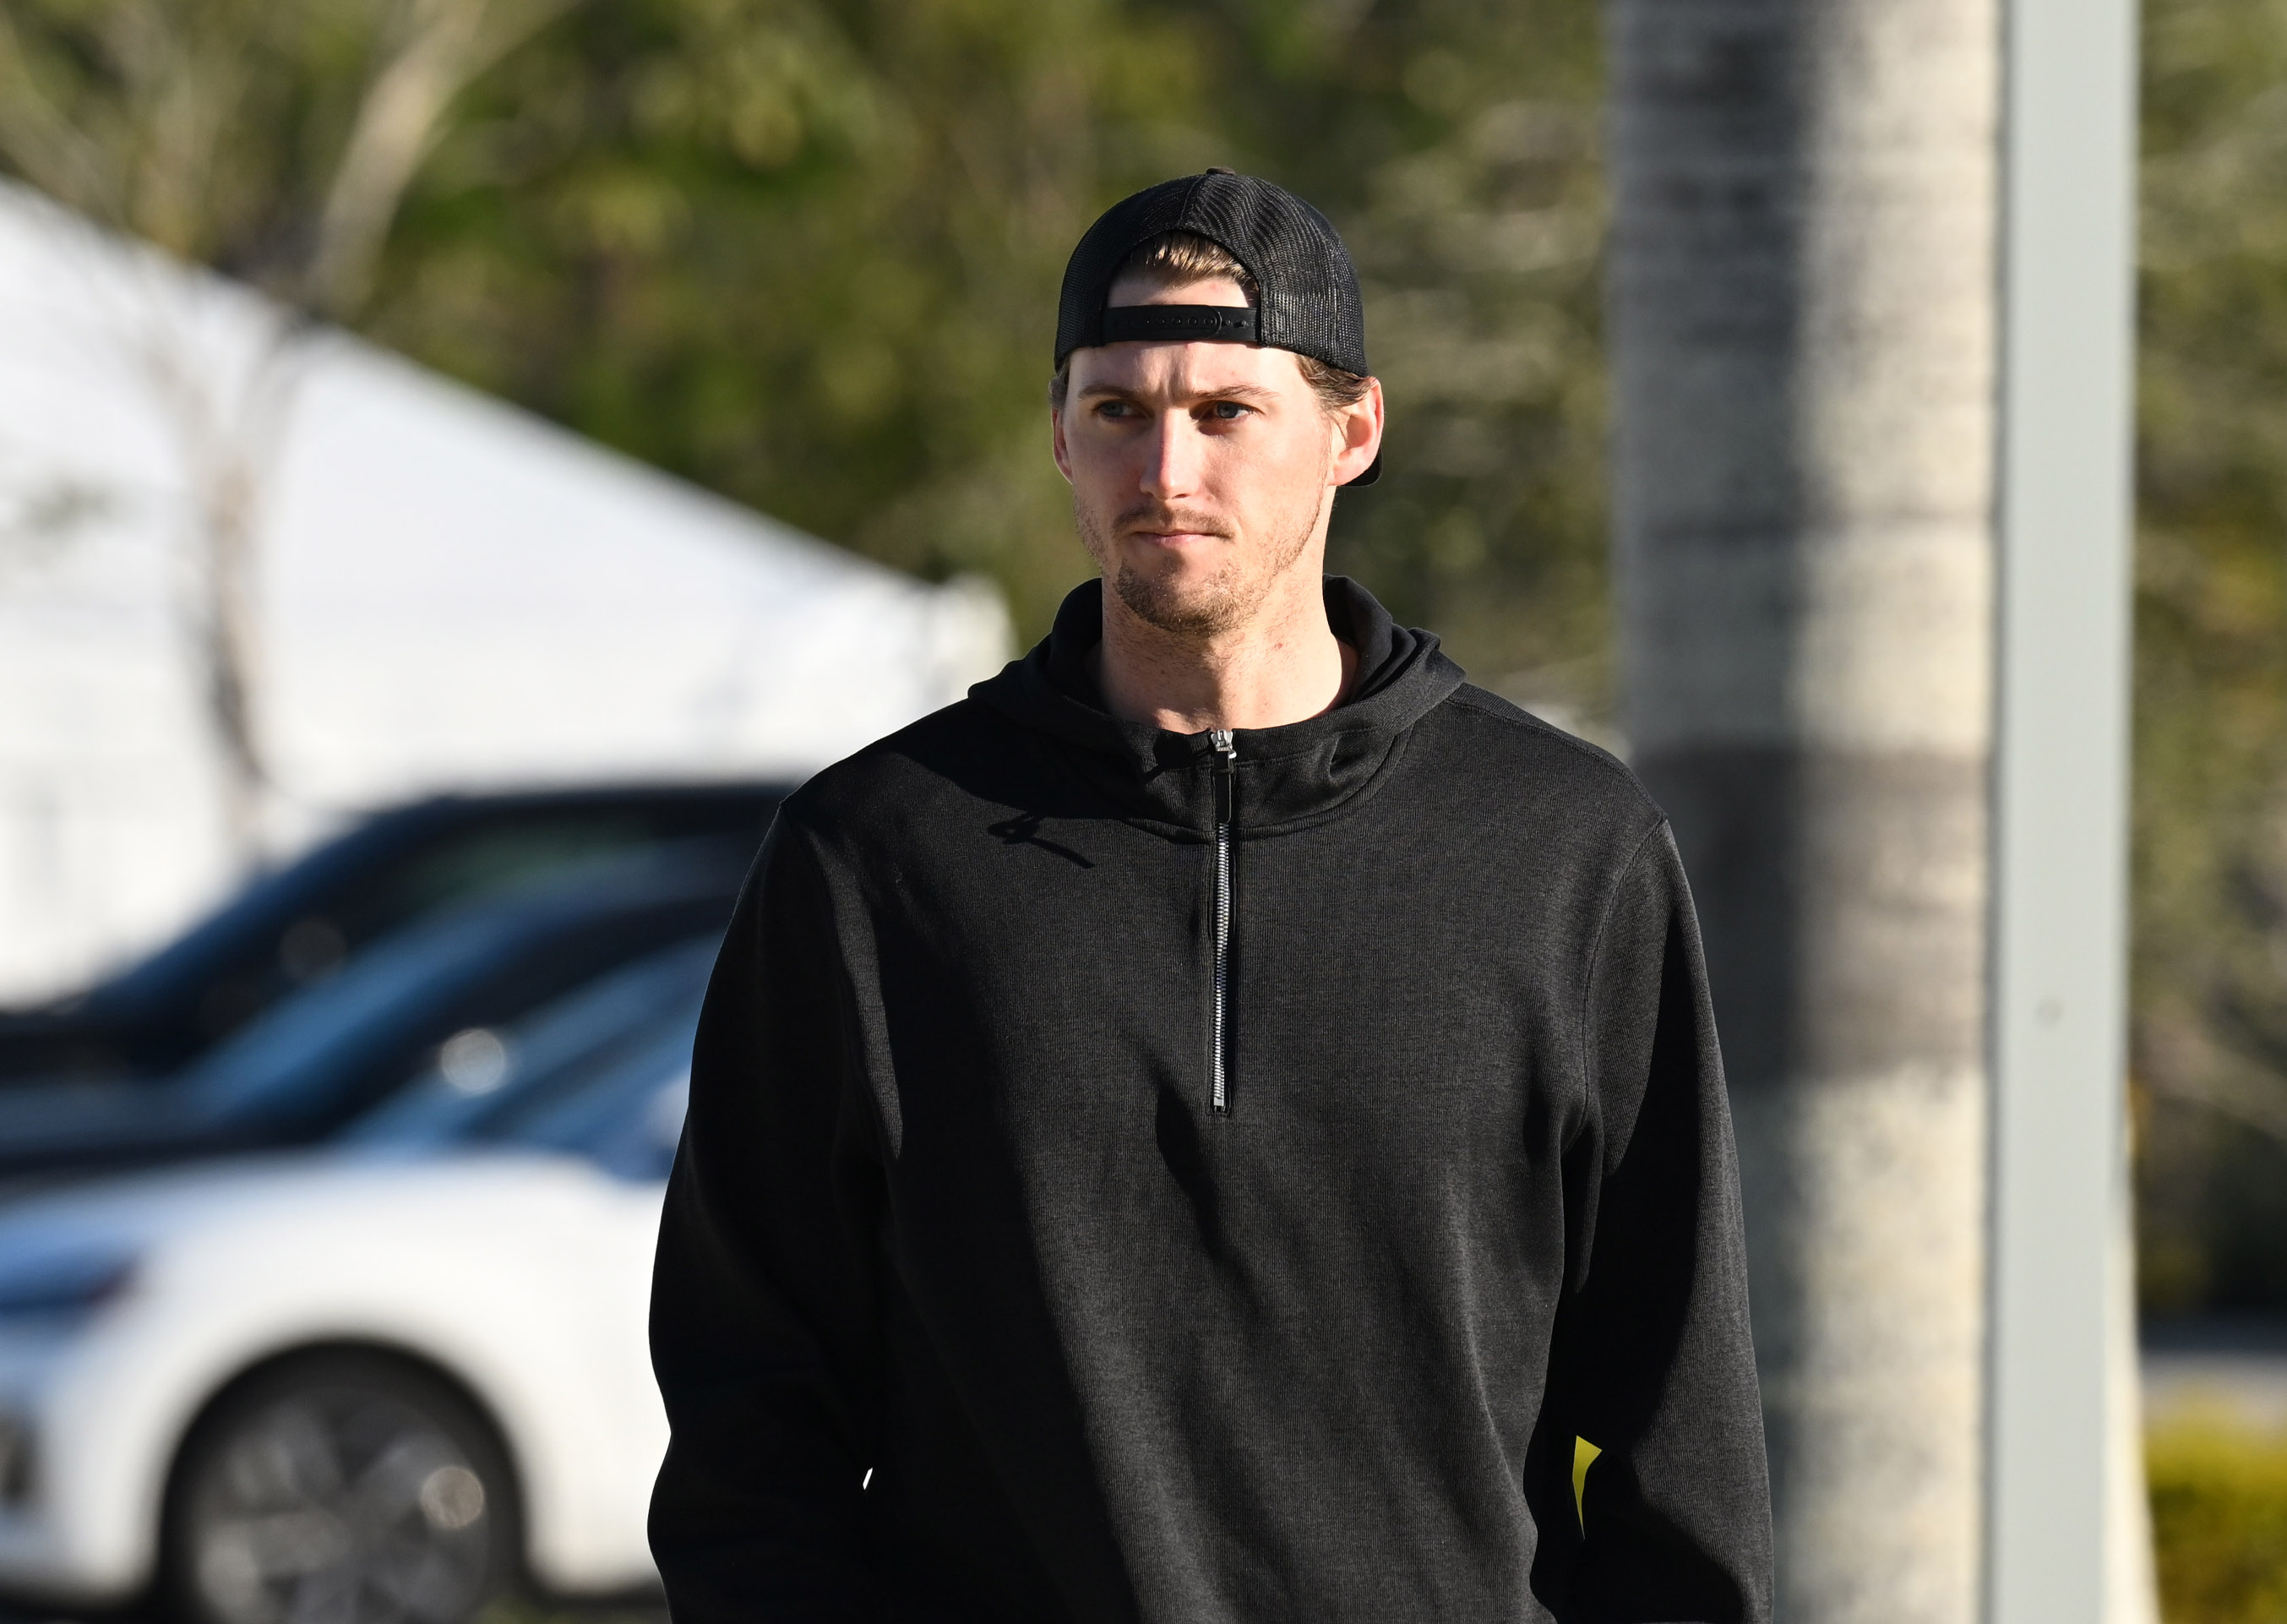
[{"x": 1229, "y": 411}]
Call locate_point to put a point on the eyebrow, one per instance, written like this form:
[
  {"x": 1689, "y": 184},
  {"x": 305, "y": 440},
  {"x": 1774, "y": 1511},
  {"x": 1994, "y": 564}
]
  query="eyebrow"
[{"x": 1236, "y": 392}]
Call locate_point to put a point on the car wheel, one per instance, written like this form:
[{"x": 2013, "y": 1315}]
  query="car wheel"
[{"x": 339, "y": 1488}]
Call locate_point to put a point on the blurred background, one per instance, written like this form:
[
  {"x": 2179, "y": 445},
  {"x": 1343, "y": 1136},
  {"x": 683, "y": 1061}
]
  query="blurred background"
[{"x": 569, "y": 421}]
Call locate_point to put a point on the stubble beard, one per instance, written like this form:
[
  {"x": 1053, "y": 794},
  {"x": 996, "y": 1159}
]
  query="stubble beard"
[{"x": 1203, "y": 610}]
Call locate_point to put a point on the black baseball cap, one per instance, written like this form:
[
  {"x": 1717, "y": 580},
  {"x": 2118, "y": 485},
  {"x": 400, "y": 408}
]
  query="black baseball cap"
[{"x": 1307, "y": 290}]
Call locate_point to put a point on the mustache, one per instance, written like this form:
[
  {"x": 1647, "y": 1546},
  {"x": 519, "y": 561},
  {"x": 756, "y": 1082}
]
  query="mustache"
[{"x": 1155, "y": 517}]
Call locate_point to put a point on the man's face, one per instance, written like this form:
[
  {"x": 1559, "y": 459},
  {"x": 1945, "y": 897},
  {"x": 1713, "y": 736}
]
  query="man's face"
[{"x": 1202, "y": 472}]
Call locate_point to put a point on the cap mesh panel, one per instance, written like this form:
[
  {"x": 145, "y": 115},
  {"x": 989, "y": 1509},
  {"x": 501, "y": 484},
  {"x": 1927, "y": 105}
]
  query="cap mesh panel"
[{"x": 1309, "y": 290}]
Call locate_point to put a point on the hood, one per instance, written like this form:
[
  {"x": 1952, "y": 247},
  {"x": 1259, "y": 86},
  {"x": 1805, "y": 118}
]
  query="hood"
[
  {"x": 123, "y": 1210},
  {"x": 58, "y": 1125},
  {"x": 128, "y": 1211},
  {"x": 1288, "y": 777}
]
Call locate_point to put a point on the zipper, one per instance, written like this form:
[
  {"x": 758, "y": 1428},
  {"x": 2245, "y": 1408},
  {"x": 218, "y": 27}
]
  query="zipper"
[{"x": 1226, "y": 782}]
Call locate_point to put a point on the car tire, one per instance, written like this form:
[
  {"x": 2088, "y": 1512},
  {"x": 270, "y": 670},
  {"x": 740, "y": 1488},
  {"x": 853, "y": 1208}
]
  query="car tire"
[{"x": 338, "y": 1488}]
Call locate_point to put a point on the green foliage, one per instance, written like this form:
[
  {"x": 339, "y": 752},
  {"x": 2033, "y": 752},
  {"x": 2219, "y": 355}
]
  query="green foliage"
[
  {"x": 2218, "y": 1522},
  {"x": 807, "y": 255},
  {"x": 200, "y": 124},
  {"x": 271, "y": 138},
  {"x": 2211, "y": 795}
]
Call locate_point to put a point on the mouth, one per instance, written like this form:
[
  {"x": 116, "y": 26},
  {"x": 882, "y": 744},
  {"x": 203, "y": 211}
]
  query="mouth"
[{"x": 1171, "y": 531}]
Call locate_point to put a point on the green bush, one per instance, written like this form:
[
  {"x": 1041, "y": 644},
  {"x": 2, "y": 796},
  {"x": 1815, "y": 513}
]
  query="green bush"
[{"x": 2218, "y": 1522}]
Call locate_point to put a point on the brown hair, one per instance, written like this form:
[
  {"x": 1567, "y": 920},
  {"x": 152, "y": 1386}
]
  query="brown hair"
[{"x": 1174, "y": 258}]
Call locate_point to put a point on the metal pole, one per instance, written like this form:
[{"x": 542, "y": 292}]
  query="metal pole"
[{"x": 2060, "y": 931}]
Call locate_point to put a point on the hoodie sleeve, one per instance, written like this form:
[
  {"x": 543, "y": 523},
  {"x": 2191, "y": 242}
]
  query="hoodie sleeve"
[
  {"x": 1651, "y": 1361},
  {"x": 763, "y": 1302}
]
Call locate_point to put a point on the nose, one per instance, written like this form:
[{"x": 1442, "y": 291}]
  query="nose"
[{"x": 1171, "y": 465}]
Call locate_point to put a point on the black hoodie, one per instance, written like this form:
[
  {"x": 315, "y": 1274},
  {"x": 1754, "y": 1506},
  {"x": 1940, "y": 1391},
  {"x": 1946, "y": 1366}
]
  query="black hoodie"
[{"x": 956, "y": 1207}]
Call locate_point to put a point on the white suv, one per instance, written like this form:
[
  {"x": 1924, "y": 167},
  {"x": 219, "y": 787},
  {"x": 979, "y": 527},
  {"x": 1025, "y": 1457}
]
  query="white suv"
[{"x": 384, "y": 1381}]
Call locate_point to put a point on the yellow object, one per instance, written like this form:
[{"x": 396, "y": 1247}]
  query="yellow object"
[{"x": 1583, "y": 1453}]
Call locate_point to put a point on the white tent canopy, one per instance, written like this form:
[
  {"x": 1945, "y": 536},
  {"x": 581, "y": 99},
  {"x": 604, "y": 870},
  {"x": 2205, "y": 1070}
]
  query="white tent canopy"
[{"x": 447, "y": 594}]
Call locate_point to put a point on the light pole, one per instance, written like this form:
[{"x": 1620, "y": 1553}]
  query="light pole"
[{"x": 2062, "y": 1468}]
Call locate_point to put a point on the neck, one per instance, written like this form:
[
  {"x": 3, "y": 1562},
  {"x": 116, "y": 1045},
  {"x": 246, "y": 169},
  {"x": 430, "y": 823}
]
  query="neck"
[{"x": 1284, "y": 665}]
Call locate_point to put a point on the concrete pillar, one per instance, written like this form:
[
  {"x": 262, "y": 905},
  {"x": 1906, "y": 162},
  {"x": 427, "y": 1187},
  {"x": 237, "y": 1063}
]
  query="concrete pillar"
[{"x": 1804, "y": 313}]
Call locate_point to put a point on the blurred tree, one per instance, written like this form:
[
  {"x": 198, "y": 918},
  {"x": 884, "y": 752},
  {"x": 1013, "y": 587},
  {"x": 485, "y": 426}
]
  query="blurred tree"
[
  {"x": 274, "y": 140},
  {"x": 2210, "y": 941},
  {"x": 807, "y": 255}
]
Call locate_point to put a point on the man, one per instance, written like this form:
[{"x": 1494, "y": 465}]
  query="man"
[{"x": 1196, "y": 1131}]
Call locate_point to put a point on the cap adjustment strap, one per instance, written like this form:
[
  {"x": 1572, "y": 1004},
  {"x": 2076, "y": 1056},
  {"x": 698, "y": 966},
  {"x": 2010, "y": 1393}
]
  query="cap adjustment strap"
[{"x": 1184, "y": 323}]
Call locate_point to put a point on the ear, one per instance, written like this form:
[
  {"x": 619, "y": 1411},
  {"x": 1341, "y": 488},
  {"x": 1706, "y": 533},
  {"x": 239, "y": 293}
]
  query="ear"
[
  {"x": 1057, "y": 443},
  {"x": 1357, "y": 435}
]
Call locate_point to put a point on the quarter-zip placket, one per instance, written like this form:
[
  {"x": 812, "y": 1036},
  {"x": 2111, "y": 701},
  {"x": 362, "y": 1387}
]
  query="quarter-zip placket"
[{"x": 1226, "y": 812}]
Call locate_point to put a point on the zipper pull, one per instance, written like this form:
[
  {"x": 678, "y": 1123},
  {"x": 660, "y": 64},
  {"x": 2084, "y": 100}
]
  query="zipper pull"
[{"x": 1226, "y": 749}]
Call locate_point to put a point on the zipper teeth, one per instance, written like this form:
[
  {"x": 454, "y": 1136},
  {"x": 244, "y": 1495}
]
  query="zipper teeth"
[
  {"x": 1222, "y": 963},
  {"x": 1219, "y": 1075}
]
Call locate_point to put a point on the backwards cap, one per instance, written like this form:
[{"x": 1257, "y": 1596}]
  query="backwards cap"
[{"x": 1307, "y": 297}]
